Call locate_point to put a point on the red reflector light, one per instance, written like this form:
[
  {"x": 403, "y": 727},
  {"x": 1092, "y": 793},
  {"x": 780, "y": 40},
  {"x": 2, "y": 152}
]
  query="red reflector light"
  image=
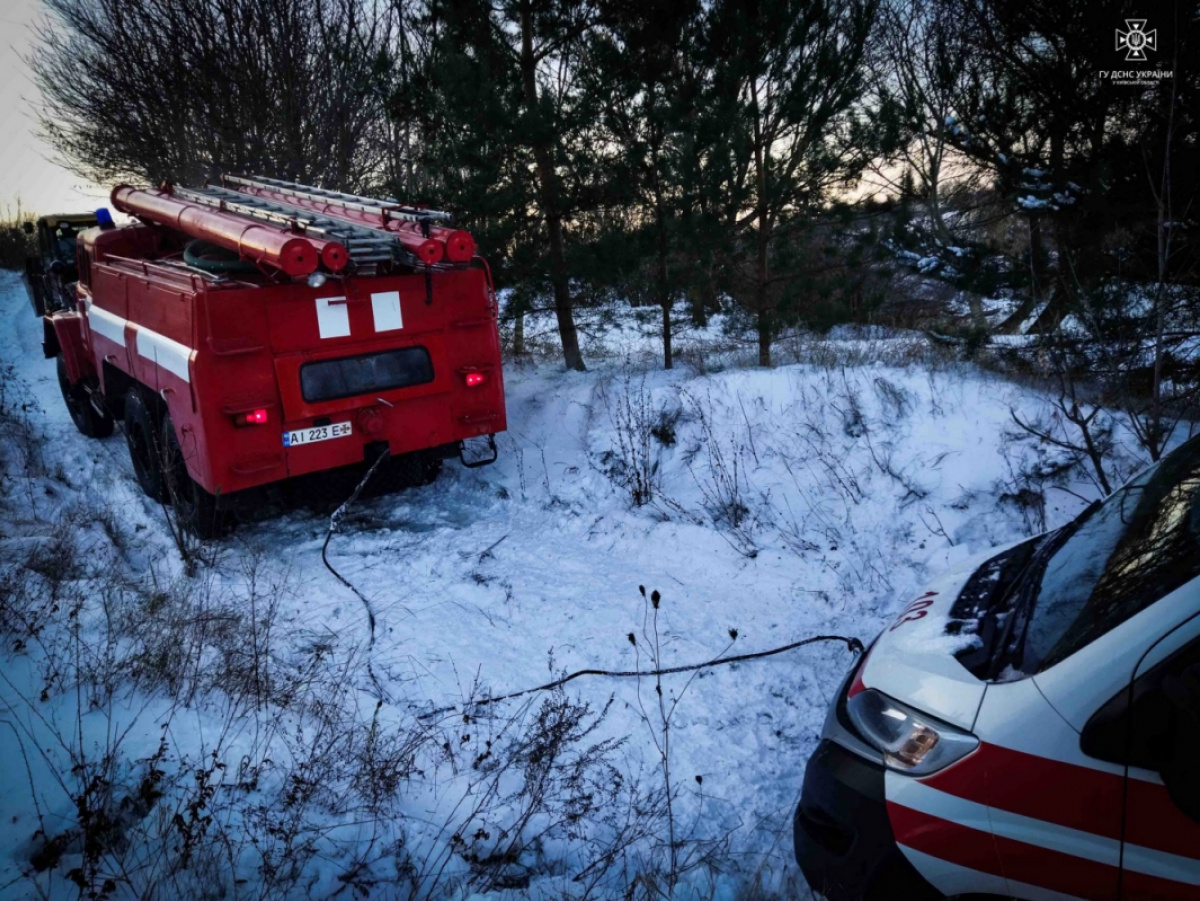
[
  {"x": 475, "y": 379},
  {"x": 254, "y": 417}
]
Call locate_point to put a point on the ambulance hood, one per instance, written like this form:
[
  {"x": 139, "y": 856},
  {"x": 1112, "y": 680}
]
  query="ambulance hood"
[{"x": 916, "y": 659}]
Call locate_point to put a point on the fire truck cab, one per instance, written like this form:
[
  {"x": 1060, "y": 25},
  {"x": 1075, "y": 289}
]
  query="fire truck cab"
[
  {"x": 231, "y": 374},
  {"x": 51, "y": 274}
]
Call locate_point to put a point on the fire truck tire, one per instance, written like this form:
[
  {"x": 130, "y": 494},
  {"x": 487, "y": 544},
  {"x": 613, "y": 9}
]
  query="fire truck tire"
[
  {"x": 195, "y": 509},
  {"x": 430, "y": 470},
  {"x": 145, "y": 451},
  {"x": 87, "y": 418},
  {"x": 408, "y": 471}
]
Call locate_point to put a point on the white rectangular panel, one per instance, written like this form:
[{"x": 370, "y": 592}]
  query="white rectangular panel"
[
  {"x": 386, "y": 307},
  {"x": 333, "y": 319}
]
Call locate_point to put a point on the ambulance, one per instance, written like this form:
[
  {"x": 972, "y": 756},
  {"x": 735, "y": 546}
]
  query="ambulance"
[{"x": 1029, "y": 726}]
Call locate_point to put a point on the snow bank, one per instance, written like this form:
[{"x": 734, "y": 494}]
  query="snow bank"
[{"x": 784, "y": 503}]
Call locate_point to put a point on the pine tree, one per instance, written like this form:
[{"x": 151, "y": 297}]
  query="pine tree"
[
  {"x": 513, "y": 129},
  {"x": 787, "y": 92},
  {"x": 1072, "y": 151},
  {"x": 642, "y": 65}
]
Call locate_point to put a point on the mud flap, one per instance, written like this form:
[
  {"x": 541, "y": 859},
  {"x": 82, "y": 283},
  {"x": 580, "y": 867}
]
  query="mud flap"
[{"x": 63, "y": 333}]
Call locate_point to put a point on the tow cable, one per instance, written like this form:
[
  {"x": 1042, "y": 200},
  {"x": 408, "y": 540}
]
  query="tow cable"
[
  {"x": 334, "y": 521},
  {"x": 853, "y": 645}
]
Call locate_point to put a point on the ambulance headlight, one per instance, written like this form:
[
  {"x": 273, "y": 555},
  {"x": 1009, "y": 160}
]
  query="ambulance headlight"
[{"x": 910, "y": 741}]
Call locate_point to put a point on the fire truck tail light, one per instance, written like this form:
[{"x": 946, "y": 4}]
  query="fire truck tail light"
[
  {"x": 253, "y": 417},
  {"x": 475, "y": 379}
]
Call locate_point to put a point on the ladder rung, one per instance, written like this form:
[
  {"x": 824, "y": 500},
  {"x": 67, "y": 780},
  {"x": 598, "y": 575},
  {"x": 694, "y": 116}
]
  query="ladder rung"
[
  {"x": 353, "y": 236},
  {"x": 389, "y": 207},
  {"x": 365, "y": 245},
  {"x": 253, "y": 211}
]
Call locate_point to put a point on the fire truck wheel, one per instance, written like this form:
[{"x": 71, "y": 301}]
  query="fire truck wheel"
[
  {"x": 430, "y": 470},
  {"x": 195, "y": 509},
  {"x": 407, "y": 471},
  {"x": 141, "y": 434},
  {"x": 87, "y": 419}
]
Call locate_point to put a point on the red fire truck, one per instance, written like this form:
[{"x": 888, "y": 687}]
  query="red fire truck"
[{"x": 256, "y": 330}]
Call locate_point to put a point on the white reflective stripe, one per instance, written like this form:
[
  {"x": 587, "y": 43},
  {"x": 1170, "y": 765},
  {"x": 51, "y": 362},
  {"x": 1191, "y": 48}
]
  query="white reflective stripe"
[
  {"x": 333, "y": 319},
  {"x": 1040, "y": 833},
  {"x": 1163, "y": 865},
  {"x": 907, "y": 791},
  {"x": 167, "y": 353},
  {"x": 105, "y": 323},
  {"x": 386, "y": 309},
  {"x": 1019, "y": 828},
  {"x": 1056, "y": 838},
  {"x": 953, "y": 879}
]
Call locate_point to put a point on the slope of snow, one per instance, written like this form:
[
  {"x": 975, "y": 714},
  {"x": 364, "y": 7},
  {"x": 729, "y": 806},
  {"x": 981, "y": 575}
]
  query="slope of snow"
[{"x": 791, "y": 502}]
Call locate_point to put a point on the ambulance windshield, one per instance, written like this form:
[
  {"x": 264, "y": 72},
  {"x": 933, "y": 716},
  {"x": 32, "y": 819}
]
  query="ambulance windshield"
[{"x": 1138, "y": 546}]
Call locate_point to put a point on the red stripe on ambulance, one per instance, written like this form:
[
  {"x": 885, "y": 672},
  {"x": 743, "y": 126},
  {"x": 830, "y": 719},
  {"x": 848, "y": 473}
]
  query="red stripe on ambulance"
[
  {"x": 1155, "y": 822},
  {"x": 1057, "y": 794},
  {"x": 1143, "y": 887},
  {"x": 1065, "y": 794},
  {"x": 1023, "y": 862},
  {"x": 944, "y": 839}
]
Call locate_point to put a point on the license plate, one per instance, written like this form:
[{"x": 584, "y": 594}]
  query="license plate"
[{"x": 317, "y": 433}]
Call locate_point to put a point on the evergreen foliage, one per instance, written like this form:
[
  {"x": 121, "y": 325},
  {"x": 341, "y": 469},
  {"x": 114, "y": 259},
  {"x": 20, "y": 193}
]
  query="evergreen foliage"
[{"x": 693, "y": 156}]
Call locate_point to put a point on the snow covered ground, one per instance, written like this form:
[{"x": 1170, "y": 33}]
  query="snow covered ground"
[{"x": 784, "y": 503}]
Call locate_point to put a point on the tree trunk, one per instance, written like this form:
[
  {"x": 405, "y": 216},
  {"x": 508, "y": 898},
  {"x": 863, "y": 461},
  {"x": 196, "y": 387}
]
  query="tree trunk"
[
  {"x": 1060, "y": 301},
  {"x": 563, "y": 308},
  {"x": 519, "y": 334},
  {"x": 668, "y": 359},
  {"x": 548, "y": 188},
  {"x": 934, "y": 203},
  {"x": 761, "y": 298},
  {"x": 764, "y": 338},
  {"x": 1157, "y": 431},
  {"x": 1012, "y": 324},
  {"x": 662, "y": 288},
  {"x": 975, "y": 304}
]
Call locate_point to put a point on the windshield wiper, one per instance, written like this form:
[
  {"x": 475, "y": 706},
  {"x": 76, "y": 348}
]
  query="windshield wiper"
[{"x": 1025, "y": 590}]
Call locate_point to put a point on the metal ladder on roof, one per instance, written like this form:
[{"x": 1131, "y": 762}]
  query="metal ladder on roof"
[
  {"x": 365, "y": 246},
  {"x": 387, "y": 206}
]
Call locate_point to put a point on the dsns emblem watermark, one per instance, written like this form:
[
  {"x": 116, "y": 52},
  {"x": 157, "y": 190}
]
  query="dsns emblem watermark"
[{"x": 1137, "y": 40}]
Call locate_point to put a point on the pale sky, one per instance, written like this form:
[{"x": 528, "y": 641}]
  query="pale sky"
[{"x": 27, "y": 169}]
